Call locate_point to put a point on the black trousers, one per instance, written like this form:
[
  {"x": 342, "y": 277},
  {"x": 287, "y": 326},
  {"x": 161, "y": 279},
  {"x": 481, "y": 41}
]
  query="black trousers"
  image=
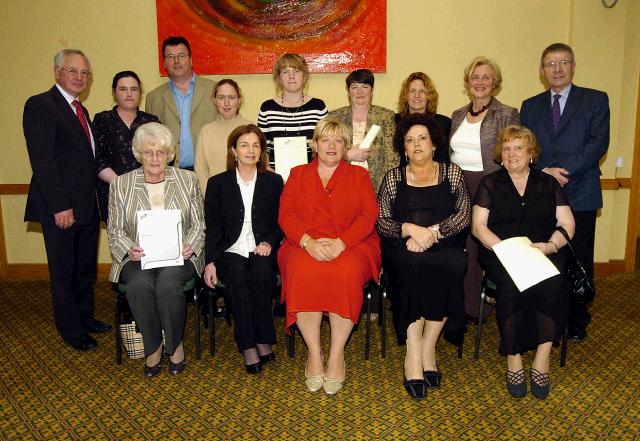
[
  {"x": 71, "y": 256},
  {"x": 583, "y": 243},
  {"x": 157, "y": 303},
  {"x": 248, "y": 286}
]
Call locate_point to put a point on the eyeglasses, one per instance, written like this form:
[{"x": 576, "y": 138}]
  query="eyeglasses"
[
  {"x": 176, "y": 57},
  {"x": 150, "y": 154},
  {"x": 75, "y": 72},
  {"x": 561, "y": 63}
]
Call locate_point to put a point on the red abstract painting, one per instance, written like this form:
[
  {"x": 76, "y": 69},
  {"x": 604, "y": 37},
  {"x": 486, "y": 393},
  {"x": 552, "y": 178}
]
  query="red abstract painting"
[{"x": 246, "y": 36}]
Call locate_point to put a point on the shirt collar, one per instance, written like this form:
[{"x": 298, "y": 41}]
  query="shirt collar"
[
  {"x": 67, "y": 96},
  {"x": 564, "y": 93},
  {"x": 243, "y": 182},
  {"x": 191, "y": 82}
]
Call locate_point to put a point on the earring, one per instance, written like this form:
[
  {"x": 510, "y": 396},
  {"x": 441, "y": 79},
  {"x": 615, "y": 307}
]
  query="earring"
[
  {"x": 406, "y": 158},
  {"x": 501, "y": 164},
  {"x": 235, "y": 157},
  {"x": 530, "y": 160}
]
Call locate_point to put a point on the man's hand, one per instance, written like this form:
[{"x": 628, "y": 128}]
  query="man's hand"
[
  {"x": 559, "y": 173},
  {"x": 64, "y": 219}
]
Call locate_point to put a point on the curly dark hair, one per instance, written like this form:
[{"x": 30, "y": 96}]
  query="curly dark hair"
[{"x": 417, "y": 119}]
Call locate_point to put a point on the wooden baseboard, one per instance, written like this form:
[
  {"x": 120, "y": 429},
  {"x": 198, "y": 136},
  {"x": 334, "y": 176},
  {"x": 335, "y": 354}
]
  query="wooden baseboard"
[{"x": 41, "y": 271}]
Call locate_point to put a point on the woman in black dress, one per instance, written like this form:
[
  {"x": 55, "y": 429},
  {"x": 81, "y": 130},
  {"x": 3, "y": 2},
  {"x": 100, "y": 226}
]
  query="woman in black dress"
[
  {"x": 518, "y": 200},
  {"x": 114, "y": 131},
  {"x": 424, "y": 218}
]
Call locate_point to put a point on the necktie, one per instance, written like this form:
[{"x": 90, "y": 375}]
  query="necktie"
[
  {"x": 555, "y": 111},
  {"x": 82, "y": 118}
]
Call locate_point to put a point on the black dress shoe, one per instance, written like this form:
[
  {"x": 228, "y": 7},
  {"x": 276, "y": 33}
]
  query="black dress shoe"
[
  {"x": 176, "y": 368},
  {"x": 516, "y": 383},
  {"x": 152, "y": 371},
  {"x": 416, "y": 388},
  {"x": 539, "y": 384},
  {"x": 577, "y": 334},
  {"x": 432, "y": 378},
  {"x": 97, "y": 327},
  {"x": 268, "y": 358},
  {"x": 255, "y": 368},
  {"x": 83, "y": 342}
]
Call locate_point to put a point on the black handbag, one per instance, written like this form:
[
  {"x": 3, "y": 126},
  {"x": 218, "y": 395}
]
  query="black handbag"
[{"x": 582, "y": 289}]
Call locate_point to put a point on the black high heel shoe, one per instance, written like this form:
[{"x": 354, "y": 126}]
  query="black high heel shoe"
[
  {"x": 416, "y": 388},
  {"x": 432, "y": 379},
  {"x": 152, "y": 371},
  {"x": 176, "y": 368},
  {"x": 267, "y": 358},
  {"x": 516, "y": 383},
  {"x": 539, "y": 384},
  {"x": 255, "y": 368}
]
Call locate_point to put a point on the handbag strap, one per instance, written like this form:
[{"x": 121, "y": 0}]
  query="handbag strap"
[{"x": 566, "y": 236}]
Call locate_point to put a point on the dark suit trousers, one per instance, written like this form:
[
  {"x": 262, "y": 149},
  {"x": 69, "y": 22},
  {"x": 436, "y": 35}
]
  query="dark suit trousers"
[
  {"x": 583, "y": 243},
  {"x": 71, "y": 256},
  {"x": 157, "y": 302},
  {"x": 248, "y": 286}
]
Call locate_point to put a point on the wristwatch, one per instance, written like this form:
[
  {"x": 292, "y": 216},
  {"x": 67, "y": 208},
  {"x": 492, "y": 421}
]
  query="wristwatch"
[{"x": 435, "y": 229}]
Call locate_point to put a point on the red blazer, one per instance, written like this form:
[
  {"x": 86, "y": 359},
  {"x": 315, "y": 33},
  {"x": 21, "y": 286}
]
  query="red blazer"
[{"x": 354, "y": 208}]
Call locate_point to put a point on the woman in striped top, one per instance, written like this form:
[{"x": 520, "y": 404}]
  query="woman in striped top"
[{"x": 290, "y": 113}]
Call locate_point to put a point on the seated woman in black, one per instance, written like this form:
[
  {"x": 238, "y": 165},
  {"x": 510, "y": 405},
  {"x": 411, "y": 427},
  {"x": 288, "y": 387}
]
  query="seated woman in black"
[
  {"x": 241, "y": 212},
  {"x": 518, "y": 200},
  {"x": 424, "y": 216}
]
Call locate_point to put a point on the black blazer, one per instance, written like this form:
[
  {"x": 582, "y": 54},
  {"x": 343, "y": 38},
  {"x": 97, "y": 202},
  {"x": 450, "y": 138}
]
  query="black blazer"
[
  {"x": 224, "y": 212},
  {"x": 62, "y": 161}
]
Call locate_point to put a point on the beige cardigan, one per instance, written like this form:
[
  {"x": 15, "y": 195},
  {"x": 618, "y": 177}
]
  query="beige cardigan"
[{"x": 128, "y": 194}]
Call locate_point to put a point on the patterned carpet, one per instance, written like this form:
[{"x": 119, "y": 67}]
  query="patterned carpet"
[{"x": 48, "y": 391}]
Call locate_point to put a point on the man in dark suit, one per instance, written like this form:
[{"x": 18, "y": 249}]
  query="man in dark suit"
[
  {"x": 572, "y": 127},
  {"x": 62, "y": 195}
]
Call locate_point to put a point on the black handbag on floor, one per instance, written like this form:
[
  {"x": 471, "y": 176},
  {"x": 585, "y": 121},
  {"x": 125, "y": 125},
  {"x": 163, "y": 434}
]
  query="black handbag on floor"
[{"x": 582, "y": 289}]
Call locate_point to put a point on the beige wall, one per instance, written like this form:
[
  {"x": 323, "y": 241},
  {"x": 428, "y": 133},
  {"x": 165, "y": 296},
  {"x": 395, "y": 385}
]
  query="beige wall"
[{"x": 438, "y": 37}]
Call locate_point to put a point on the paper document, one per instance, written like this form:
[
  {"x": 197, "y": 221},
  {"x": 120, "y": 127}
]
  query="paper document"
[
  {"x": 160, "y": 236},
  {"x": 289, "y": 152},
  {"x": 366, "y": 144},
  {"x": 526, "y": 265}
]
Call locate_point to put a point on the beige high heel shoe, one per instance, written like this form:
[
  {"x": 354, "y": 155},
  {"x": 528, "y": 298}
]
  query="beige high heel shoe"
[
  {"x": 333, "y": 385},
  {"x": 314, "y": 382}
]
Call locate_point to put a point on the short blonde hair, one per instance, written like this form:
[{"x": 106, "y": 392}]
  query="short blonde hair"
[
  {"x": 289, "y": 60},
  {"x": 332, "y": 126},
  {"x": 156, "y": 132},
  {"x": 482, "y": 61},
  {"x": 432, "y": 94},
  {"x": 510, "y": 133}
]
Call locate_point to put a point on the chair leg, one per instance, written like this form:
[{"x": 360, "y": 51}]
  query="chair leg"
[
  {"x": 476, "y": 352},
  {"x": 383, "y": 320},
  {"x": 563, "y": 349},
  {"x": 117, "y": 327},
  {"x": 367, "y": 342},
  {"x": 212, "y": 323},
  {"x": 196, "y": 321},
  {"x": 291, "y": 342}
]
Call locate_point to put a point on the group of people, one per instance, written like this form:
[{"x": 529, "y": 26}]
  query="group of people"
[{"x": 426, "y": 201}]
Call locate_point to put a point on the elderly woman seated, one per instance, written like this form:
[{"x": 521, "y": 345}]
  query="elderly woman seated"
[
  {"x": 155, "y": 295},
  {"x": 424, "y": 217},
  {"x": 518, "y": 200},
  {"x": 327, "y": 212}
]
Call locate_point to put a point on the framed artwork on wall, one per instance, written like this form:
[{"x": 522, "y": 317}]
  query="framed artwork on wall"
[{"x": 246, "y": 36}]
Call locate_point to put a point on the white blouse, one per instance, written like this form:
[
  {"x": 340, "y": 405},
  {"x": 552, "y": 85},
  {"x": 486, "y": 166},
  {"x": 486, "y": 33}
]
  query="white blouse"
[
  {"x": 246, "y": 243},
  {"x": 465, "y": 147}
]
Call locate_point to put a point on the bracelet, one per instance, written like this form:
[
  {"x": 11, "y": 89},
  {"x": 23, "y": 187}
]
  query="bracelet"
[
  {"x": 305, "y": 243},
  {"x": 554, "y": 244}
]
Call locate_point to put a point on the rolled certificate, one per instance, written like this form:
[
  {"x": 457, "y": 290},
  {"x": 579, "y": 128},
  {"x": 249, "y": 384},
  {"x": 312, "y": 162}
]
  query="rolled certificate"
[{"x": 369, "y": 137}]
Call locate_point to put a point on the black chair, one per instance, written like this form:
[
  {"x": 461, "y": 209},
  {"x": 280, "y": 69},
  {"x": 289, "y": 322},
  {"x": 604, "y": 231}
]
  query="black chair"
[
  {"x": 489, "y": 286},
  {"x": 368, "y": 293},
  {"x": 212, "y": 294},
  {"x": 191, "y": 290}
]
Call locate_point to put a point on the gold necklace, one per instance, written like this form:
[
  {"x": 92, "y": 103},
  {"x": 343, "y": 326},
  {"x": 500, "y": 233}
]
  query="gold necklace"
[{"x": 428, "y": 179}]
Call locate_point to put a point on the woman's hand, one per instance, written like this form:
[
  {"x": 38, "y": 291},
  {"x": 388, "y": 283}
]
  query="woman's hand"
[
  {"x": 413, "y": 246},
  {"x": 135, "y": 253},
  {"x": 546, "y": 247},
  {"x": 424, "y": 236},
  {"x": 335, "y": 246},
  {"x": 357, "y": 154},
  {"x": 210, "y": 277},
  {"x": 263, "y": 249},
  {"x": 187, "y": 252},
  {"x": 318, "y": 251}
]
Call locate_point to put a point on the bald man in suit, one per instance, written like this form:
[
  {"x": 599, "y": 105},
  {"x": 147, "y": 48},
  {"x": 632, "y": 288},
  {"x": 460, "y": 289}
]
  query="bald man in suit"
[
  {"x": 184, "y": 103},
  {"x": 62, "y": 195}
]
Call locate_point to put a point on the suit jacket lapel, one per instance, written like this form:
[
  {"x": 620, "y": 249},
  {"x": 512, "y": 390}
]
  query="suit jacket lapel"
[
  {"x": 570, "y": 107},
  {"x": 169, "y": 100},
  {"x": 198, "y": 94},
  {"x": 170, "y": 200},
  {"x": 140, "y": 192},
  {"x": 72, "y": 119}
]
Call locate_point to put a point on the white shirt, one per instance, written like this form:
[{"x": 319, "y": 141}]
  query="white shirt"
[
  {"x": 70, "y": 98},
  {"x": 465, "y": 147},
  {"x": 246, "y": 243}
]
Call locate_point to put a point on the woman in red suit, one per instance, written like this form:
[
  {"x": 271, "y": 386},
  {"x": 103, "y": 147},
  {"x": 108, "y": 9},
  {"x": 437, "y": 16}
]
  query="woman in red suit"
[{"x": 331, "y": 249}]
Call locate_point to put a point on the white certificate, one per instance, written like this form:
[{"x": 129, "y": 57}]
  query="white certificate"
[
  {"x": 289, "y": 152},
  {"x": 160, "y": 236},
  {"x": 526, "y": 265}
]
